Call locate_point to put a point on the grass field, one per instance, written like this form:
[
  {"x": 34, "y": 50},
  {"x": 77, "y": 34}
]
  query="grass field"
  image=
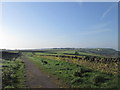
[
  {"x": 66, "y": 52},
  {"x": 101, "y": 52},
  {"x": 13, "y": 73},
  {"x": 74, "y": 75},
  {"x": 67, "y": 71}
]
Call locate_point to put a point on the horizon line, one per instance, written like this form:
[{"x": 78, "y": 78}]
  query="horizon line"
[{"x": 58, "y": 48}]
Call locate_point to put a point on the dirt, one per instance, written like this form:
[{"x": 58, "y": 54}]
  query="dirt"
[{"x": 35, "y": 78}]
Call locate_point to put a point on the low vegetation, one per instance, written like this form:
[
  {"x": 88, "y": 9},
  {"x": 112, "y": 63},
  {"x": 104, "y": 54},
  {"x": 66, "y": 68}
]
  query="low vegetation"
[
  {"x": 73, "y": 75},
  {"x": 68, "y": 66},
  {"x": 12, "y": 72}
]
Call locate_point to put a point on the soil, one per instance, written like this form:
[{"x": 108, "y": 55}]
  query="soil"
[{"x": 35, "y": 78}]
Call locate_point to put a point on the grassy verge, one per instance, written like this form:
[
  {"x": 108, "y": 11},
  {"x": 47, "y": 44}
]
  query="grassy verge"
[
  {"x": 75, "y": 76},
  {"x": 13, "y": 74}
]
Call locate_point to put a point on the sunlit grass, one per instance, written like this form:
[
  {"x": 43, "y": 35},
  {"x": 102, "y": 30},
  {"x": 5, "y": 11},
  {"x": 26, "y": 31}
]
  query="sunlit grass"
[{"x": 74, "y": 75}]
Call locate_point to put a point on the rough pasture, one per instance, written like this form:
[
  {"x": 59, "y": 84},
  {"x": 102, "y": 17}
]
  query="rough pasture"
[
  {"x": 109, "y": 65},
  {"x": 89, "y": 58},
  {"x": 73, "y": 75}
]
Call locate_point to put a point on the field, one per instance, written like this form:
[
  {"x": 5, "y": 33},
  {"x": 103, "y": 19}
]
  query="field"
[
  {"x": 12, "y": 72},
  {"x": 68, "y": 68}
]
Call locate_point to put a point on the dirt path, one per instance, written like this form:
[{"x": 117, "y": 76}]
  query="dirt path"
[{"x": 35, "y": 78}]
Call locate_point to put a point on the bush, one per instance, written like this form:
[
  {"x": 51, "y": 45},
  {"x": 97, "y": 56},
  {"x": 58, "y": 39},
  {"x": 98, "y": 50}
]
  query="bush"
[
  {"x": 98, "y": 79},
  {"x": 76, "y": 53},
  {"x": 84, "y": 70}
]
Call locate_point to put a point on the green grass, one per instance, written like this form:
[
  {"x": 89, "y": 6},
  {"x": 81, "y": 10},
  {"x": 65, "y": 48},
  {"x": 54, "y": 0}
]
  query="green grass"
[
  {"x": 13, "y": 74},
  {"x": 66, "y": 52},
  {"x": 75, "y": 76}
]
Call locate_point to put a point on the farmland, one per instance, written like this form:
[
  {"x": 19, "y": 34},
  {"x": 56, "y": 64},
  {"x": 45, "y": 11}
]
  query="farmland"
[{"x": 67, "y": 67}]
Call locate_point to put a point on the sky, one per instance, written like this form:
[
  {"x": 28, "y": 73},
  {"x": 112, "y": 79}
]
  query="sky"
[{"x": 59, "y": 25}]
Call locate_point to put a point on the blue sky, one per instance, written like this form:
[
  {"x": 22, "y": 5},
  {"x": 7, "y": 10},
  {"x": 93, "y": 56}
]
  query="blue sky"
[{"x": 65, "y": 24}]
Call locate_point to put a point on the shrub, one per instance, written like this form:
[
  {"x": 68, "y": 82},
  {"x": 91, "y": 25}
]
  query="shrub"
[
  {"x": 76, "y": 53},
  {"x": 98, "y": 79},
  {"x": 84, "y": 70}
]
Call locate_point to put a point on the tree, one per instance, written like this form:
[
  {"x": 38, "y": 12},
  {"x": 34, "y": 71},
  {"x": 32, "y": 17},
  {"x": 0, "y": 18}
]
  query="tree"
[{"x": 76, "y": 53}]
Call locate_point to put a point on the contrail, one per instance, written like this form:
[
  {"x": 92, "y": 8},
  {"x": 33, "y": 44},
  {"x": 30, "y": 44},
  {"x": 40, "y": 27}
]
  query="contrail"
[{"x": 107, "y": 11}]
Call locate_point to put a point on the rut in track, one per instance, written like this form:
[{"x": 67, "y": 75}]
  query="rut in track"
[{"x": 35, "y": 78}]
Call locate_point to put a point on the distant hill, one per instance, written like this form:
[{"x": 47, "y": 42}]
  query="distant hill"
[
  {"x": 107, "y": 52},
  {"x": 101, "y": 51}
]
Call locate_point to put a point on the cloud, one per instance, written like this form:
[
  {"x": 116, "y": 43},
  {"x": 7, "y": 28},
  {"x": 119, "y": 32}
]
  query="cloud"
[{"x": 107, "y": 11}]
